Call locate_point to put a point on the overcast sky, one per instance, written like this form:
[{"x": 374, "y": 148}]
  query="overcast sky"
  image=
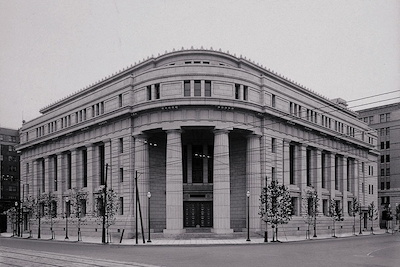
[{"x": 50, "y": 49}]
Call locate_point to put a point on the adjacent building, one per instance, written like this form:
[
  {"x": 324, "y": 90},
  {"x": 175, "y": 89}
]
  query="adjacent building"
[
  {"x": 9, "y": 172},
  {"x": 386, "y": 120},
  {"x": 199, "y": 129}
]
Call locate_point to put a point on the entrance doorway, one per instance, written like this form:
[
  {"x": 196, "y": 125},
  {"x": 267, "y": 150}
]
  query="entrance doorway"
[{"x": 198, "y": 214}]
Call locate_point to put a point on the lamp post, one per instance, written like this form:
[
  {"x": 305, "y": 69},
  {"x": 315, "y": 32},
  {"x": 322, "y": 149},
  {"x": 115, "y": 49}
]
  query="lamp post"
[
  {"x": 315, "y": 213},
  {"x": 15, "y": 232},
  {"x": 148, "y": 214},
  {"x": 359, "y": 212},
  {"x": 248, "y": 215},
  {"x": 66, "y": 217}
]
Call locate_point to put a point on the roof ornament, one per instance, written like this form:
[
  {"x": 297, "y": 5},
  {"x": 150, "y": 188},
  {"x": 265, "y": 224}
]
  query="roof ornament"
[
  {"x": 227, "y": 51},
  {"x": 201, "y": 48},
  {"x": 191, "y": 47},
  {"x": 211, "y": 48}
]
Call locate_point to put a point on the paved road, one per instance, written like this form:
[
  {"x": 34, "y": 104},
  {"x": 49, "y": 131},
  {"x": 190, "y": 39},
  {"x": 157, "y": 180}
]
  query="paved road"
[{"x": 378, "y": 250}]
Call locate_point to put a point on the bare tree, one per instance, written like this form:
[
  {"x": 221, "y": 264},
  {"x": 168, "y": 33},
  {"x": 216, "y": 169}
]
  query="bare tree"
[
  {"x": 335, "y": 212},
  {"x": 311, "y": 205},
  {"x": 372, "y": 215},
  {"x": 78, "y": 200}
]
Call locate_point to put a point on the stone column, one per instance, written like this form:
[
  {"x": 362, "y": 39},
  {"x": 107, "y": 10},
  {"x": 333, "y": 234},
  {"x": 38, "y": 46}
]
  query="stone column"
[
  {"x": 46, "y": 178},
  {"x": 74, "y": 168},
  {"x": 34, "y": 185},
  {"x": 331, "y": 164},
  {"x": 254, "y": 179},
  {"x": 318, "y": 177},
  {"x": 302, "y": 171},
  {"x": 344, "y": 188},
  {"x": 174, "y": 183},
  {"x": 286, "y": 163},
  {"x": 60, "y": 181},
  {"x": 356, "y": 179},
  {"x": 142, "y": 171},
  {"x": 108, "y": 160},
  {"x": 241, "y": 92},
  {"x": 221, "y": 189},
  {"x": 90, "y": 179}
]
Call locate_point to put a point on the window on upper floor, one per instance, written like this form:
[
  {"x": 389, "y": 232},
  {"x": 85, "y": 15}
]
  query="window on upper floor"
[
  {"x": 148, "y": 90},
  {"x": 273, "y": 100},
  {"x": 157, "y": 90},
  {"x": 197, "y": 88},
  {"x": 387, "y": 185},
  {"x": 387, "y": 158},
  {"x": 237, "y": 91},
  {"x": 387, "y": 144},
  {"x": 245, "y": 92},
  {"x": 186, "y": 88},
  {"x": 382, "y": 145},
  {"x": 382, "y": 118},
  {"x": 207, "y": 88},
  {"x": 120, "y": 100}
]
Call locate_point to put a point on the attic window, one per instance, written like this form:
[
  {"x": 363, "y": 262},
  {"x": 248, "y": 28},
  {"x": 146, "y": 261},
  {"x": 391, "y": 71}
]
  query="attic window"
[
  {"x": 188, "y": 62},
  {"x": 206, "y": 62},
  {"x": 197, "y": 62}
]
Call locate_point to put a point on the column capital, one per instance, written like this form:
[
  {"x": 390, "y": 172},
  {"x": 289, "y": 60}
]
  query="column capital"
[
  {"x": 173, "y": 130},
  {"x": 253, "y": 135},
  {"x": 222, "y": 131},
  {"x": 286, "y": 140}
]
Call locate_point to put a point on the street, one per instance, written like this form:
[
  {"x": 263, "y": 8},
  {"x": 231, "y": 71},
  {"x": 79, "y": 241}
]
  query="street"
[{"x": 368, "y": 250}]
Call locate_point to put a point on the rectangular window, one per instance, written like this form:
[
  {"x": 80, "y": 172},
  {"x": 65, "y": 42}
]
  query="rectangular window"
[
  {"x": 382, "y": 185},
  {"x": 120, "y": 100},
  {"x": 273, "y": 101},
  {"x": 308, "y": 166},
  {"x": 387, "y": 171},
  {"x": 184, "y": 163},
  {"x": 291, "y": 163},
  {"x": 273, "y": 145},
  {"x": 102, "y": 164},
  {"x": 387, "y": 130},
  {"x": 382, "y": 118},
  {"x": 325, "y": 209},
  {"x": 245, "y": 92},
  {"x": 382, "y": 172},
  {"x": 382, "y": 145},
  {"x": 336, "y": 173},
  {"x": 323, "y": 177},
  {"x": 387, "y": 144},
  {"x": 207, "y": 88},
  {"x": 121, "y": 206},
  {"x": 273, "y": 173},
  {"x": 121, "y": 145},
  {"x": 84, "y": 167},
  {"x": 372, "y": 189},
  {"x": 387, "y": 116},
  {"x": 387, "y": 185},
  {"x": 387, "y": 158},
  {"x": 157, "y": 90},
  {"x": 294, "y": 206},
  {"x": 197, "y": 88},
  {"x": 69, "y": 171},
  {"x": 148, "y": 90},
  {"x": 382, "y": 158},
  {"x": 237, "y": 91},
  {"x": 186, "y": 88},
  {"x": 121, "y": 175}
]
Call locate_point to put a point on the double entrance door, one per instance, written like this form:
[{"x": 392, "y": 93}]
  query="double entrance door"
[{"x": 198, "y": 213}]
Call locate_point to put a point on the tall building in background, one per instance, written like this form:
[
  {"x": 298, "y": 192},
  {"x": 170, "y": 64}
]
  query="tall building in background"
[
  {"x": 199, "y": 129},
  {"x": 9, "y": 171},
  {"x": 386, "y": 120}
]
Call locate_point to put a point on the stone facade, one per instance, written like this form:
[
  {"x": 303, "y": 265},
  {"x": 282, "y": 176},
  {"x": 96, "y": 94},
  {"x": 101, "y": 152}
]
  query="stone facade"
[{"x": 199, "y": 129}]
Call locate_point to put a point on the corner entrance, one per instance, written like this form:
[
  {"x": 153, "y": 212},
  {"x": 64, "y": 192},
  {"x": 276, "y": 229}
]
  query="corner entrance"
[{"x": 197, "y": 214}]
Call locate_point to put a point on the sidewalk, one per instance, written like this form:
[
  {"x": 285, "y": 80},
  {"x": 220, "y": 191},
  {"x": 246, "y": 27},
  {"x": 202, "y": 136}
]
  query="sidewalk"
[{"x": 197, "y": 241}]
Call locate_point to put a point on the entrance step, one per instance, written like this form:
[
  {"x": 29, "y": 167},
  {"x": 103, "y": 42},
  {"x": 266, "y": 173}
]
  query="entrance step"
[{"x": 198, "y": 230}]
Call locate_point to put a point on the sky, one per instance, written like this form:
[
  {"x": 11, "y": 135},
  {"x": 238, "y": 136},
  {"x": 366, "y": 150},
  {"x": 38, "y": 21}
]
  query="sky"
[{"x": 51, "y": 49}]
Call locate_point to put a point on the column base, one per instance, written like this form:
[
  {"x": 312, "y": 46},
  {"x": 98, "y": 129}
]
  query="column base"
[
  {"x": 222, "y": 231},
  {"x": 174, "y": 231}
]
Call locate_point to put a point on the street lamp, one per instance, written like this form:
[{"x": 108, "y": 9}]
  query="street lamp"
[
  {"x": 248, "y": 215},
  {"x": 16, "y": 231},
  {"x": 148, "y": 214},
  {"x": 66, "y": 217},
  {"x": 359, "y": 212}
]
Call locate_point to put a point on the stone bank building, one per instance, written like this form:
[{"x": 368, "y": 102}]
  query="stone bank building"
[{"x": 200, "y": 128}]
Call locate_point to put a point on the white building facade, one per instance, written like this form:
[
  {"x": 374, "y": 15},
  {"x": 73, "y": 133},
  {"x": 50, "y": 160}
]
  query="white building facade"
[{"x": 199, "y": 128}]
